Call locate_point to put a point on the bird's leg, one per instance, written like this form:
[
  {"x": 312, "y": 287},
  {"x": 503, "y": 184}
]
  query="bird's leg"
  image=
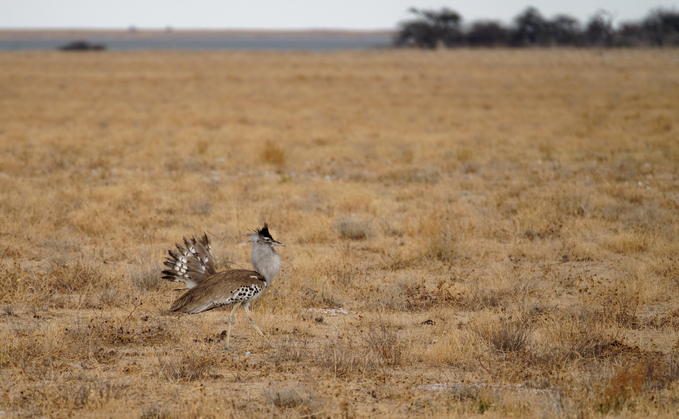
[
  {"x": 228, "y": 333},
  {"x": 252, "y": 323}
]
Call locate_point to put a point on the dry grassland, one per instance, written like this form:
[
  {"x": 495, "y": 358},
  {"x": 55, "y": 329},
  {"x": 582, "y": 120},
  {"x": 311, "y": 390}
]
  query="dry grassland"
[{"x": 468, "y": 232}]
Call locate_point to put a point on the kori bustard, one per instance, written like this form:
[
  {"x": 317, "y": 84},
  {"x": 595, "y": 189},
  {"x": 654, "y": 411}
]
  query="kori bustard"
[{"x": 194, "y": 266}]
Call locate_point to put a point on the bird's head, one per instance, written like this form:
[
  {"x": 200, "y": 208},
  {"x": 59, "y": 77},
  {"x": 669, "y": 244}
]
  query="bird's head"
[{"x": 262, "y": 236}]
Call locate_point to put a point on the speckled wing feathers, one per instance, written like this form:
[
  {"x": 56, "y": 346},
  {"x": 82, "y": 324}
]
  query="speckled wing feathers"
[{"x": 223, "y": 288}]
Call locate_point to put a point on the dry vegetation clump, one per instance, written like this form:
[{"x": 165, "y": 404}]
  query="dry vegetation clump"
[
  {"x": 468, "y": 232},
  {"x": 352, "y": 228},
  {"x": 293, "y": 399},
  {"x": 578, "y": 336},
  {"x": 504, "y": 335},
  {"x": 188, "y": 367},
  {"x": 377, "y": 351},
  {"x": 387, "y": 345},
  {"x": 273, "y": 154},
  {"x": 622, "y": 388}
]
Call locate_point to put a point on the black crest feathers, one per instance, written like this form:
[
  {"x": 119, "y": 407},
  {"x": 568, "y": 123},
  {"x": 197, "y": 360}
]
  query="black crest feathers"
[{"x": 264, "y": 232}]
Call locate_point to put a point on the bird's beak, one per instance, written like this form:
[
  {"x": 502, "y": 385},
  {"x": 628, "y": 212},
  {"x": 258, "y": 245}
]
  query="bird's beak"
[{"x": 278, "y": 244}]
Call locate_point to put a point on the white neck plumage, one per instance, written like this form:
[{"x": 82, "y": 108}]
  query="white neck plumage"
[{"x": 266, "y": 260}]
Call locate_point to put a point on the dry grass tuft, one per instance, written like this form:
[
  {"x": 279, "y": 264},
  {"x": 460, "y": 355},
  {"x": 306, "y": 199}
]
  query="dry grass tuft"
[
  {"x": 292, "y": 398},
  {"x": 146, "y": 276},
  {"x": 622, "y": 388},
  {"x": 289, "y": 350},
  {"x": 619, "y": 299},
  {"x": 441, "y": 234},
  {"x": 455, "y": 348},
  {"x": 76, "y": 276},
  {"x": 188, "y": 367},
  {"x": 156, "y": 412},
  {"x": 386, "y": 345},
  {"x": 273, "y": 154},
  {"x": 505, "y": 335},
  {"x": 578, "y": 337},
  {"x": 352, "y": 228},
  {"x": 346, "y": 360}
]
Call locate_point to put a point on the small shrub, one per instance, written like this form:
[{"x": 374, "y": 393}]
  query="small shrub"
[
  {"x": 155, "y": 413},
  {"x": 483, "y": 405},
  {"x": 507, "y": 335},
  {"x": 441, "y": 235},
  {"x": 273, "y": 154},
  {"x": 202, "y": 146},
  {"x": 201, "y": 207},
  {"x": 188, "y": 367},
  {"x": 443, "y": 246},
  {"x": 625, "y": 384},
  {"x": 146, "y": 277},
  {"x": 386, "y": 344},
  {"x": 352, "y": 228},
  {"x": 289, "y": 350},
  {"x": 346, "y": 359},
  {"x": 579, "y": 337},
  {"x": 292, "y": 396},
  {"x": 620, "y": 299},
  {"x": 77, "y": 276}
]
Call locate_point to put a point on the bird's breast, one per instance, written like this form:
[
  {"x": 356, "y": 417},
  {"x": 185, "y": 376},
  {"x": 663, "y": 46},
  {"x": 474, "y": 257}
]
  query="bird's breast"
[{"x": 244, "y": 293}]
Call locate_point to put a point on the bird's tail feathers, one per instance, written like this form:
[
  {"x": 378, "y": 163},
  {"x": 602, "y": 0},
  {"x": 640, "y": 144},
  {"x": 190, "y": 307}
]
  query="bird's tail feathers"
[{"x": 192, "y": 264}]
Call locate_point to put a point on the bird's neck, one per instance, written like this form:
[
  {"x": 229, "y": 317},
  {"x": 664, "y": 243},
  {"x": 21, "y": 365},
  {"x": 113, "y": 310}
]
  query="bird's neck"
[{"x": 266, "y": 261}]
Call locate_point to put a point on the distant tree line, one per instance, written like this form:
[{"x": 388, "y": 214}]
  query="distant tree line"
[{"x": 431, "y": 29}]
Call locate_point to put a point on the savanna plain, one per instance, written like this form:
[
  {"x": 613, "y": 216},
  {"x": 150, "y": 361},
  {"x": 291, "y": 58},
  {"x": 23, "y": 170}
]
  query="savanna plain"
[{"x": 469, "y": 232}]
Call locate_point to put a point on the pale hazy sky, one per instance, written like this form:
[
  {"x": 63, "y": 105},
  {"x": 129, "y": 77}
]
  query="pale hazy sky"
[{"x": 288, "y": 14}]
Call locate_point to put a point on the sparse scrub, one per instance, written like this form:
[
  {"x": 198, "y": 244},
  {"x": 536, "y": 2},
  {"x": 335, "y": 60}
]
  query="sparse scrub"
[
  {"x": 441, "y": 235},
  {"x": 292, "y": 351},
  {"x": 76, "y": 276},
  {"x": 504, "y": 262},
  {"x": 454, "y": 348},
  {"x": 294, "y": 397},
  {"x": 346, "y": 360},
  {"x": 273, "y": 154},
  {"x": 387, "y": 345},
  {"x": 575, "y": 337},
  {"x": 620, "y": 298},
  {"x": 505, "y": 335},
  {"x": 188, "y": 366},
  {"x": 12, "y": 281},
  {"x": 409, "y": 294},
  {"x": 321, "y": 298},
  {"x": 352, "y": 228},
  {"x": 620, "y": 389},
  {"x": 146, "y": 277}
]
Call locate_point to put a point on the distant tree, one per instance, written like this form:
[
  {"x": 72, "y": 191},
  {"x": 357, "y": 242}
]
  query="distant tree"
[
  {"x": 529, "y": 28},
  {"x": 631, "y": 34},
  {"x": 661, "y": 27},
  {"x": 599, "y": 31},
  {"x": 487, "y": 34},
  {"x": 430, "y": 29},
  {"x": 564, "y": 30}
]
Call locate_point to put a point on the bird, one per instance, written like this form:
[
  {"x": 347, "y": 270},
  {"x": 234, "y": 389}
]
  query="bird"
[{"x": 194, "y": 267}]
